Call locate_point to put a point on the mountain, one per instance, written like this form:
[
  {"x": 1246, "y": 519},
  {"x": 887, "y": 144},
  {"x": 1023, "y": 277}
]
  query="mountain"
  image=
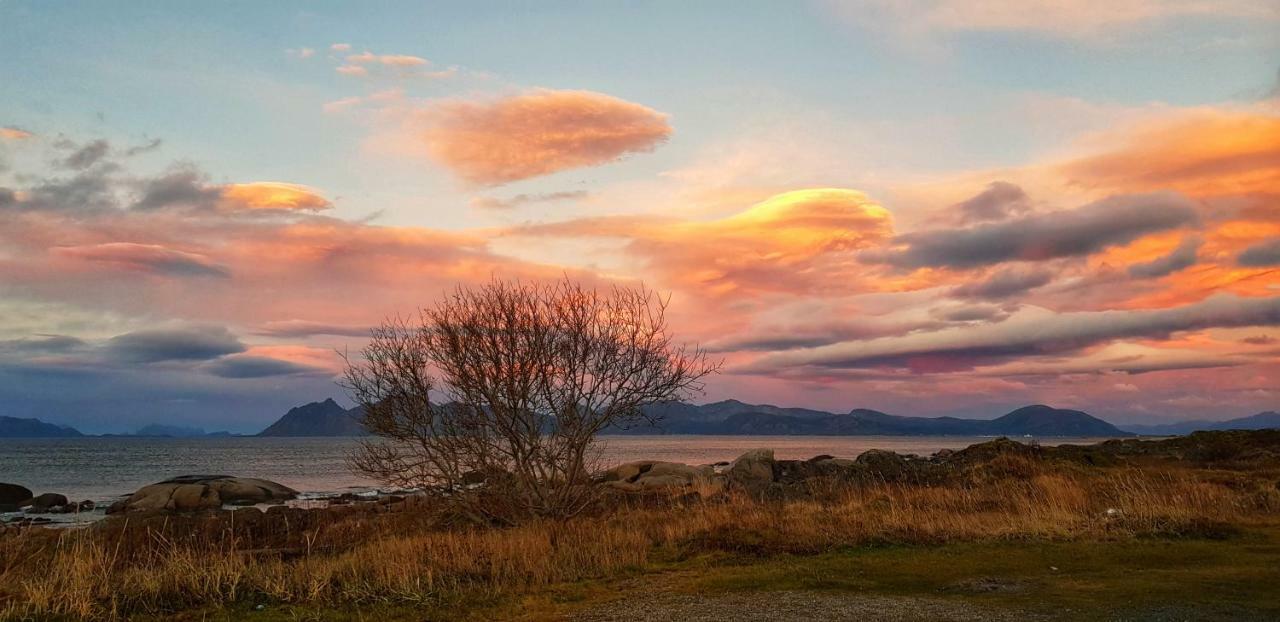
[
  {"x": 734, "y": 417},
  {"x": 161, "y": 430},
  {"x": 325, "y": 418},
  {"x": 13, "y": 427},
  {"x": 1260, "y": 421},
  {"x": 1041, "y": 420}
]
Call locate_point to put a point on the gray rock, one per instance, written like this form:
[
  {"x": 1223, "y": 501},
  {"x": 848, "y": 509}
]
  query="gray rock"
[{"x": 752, "y": 471}]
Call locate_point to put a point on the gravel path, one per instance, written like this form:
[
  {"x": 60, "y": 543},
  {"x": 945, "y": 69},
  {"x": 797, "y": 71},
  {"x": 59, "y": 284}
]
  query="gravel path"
[{"x": 778, "y": 606}]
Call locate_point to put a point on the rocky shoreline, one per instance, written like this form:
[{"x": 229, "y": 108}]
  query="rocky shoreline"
[{"x": 756, "y": 473}]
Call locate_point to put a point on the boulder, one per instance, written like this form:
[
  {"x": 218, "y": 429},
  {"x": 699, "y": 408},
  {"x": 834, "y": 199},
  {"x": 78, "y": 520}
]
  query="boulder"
[
  {"x": 13, "y": 495},
  {"x": 654, "y": 474},
  {"x": 753, "y": 470},
  {"x": 239, "y": 489},
  {"x": 173, "y": 498},
  {"x": 637, "y": 472},
  {"x": 44, "y": 502},
  {"x": 192, "y": 493},
  {"x": 796, "y": 471}
]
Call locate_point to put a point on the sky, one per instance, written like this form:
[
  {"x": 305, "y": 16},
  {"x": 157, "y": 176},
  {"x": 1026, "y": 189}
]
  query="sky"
[{"x": 926, "y": 207}]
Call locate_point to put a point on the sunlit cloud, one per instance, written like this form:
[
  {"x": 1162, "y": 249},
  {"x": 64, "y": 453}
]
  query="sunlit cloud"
[
  {"x": 537, "y": 133},
  {"x": 800, "y": 241},
  {"x": 1087, "y": 20},
  {"x": 13, "y": 133},
  {"x": 394, "y": 60},
  {"x": 274, "y": 195},
  {"x": 152, "y": 258}
]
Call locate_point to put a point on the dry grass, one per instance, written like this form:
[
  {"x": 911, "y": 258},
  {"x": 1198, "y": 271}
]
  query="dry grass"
[{"x": 100, "y": 573}]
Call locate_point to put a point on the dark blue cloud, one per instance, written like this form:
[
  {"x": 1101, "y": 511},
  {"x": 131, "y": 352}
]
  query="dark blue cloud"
[
  {"x": 246, "y": 366},
  {"x": 1038, "y": 237},
  {"x": 173, "y": 344},
  {"x": 1182, "y": 257},
  {"x": 1262, "y": 254}
]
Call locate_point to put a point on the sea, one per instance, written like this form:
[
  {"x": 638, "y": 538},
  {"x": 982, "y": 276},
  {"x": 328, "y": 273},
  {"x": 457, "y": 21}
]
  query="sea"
[{"x": 104, "y": 469}]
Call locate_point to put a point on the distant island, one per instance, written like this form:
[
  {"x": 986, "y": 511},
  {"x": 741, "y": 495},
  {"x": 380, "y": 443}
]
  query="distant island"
[
  {"x": 13, "y": 427},
  {"x": 728, "y": 417}
]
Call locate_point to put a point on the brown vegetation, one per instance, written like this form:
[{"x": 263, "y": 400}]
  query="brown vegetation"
[{"x": 166, "y": 564}]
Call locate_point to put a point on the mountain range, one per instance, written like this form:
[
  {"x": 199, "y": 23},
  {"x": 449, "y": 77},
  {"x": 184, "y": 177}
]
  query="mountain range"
[
  {"x": 1269, "y": 419},
  {"x": 731, "y": 417}
]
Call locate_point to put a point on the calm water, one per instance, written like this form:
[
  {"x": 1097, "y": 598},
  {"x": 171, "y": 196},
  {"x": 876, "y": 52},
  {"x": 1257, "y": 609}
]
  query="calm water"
[{"x": 102, "y": 469}]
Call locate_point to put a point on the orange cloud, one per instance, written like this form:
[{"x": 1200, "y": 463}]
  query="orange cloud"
[
  {"x": 799, "y": 241},
  {"x": 1208, "y": 152},
  {"x": 13, "y": 133},
  {"x": 274, "y": 195},
  {"x": 538, "y": 133}
]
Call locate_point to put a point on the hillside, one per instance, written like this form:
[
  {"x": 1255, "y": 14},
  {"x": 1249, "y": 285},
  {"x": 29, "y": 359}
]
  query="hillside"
[
  {"x": 13, "y": 427},
  {"x": 325, "y": 418},
  {"x": 1260, "y": 421}
]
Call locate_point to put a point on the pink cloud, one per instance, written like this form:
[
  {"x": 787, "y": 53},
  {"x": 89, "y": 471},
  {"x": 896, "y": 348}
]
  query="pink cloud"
[{"x": 538, "y": 133}]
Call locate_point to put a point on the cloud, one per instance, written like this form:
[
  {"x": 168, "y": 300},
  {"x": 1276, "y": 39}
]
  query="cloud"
[
  {"x": 87, "y": 155},
  {"x": 1260, "y": 340},
  {"x": 1262, "y": 254},
  {"x": 393, "y": 60},
  {"x": 351, "y": 70},
  {"x": 1005, "y": 283},
  {"x": 809, "y": 335},
  {"x": 274, "y": 195},
  {"x": 300, "y": 53},
  {"x": 185, "y": 186},
  {"x": 43, "y": 344},
  {"x": 150, "y": 145},
  {"x": 250, "y": 366},
  {"x": 538, "y": 133},
  {"x": 525, "y": 199},
  {"x": 14, "y": 133},
  {"x": 1081, "y": 20},
  {"x": 801, "y": 241},
  {"x": 173, "y": 344},
  {"x": 972, "y": 313},
  {"x": 340, "y": 47},
  {"x": 1038, "y": 237},
  {"x": 88, "y": 191},
  {"x": 1184, "y": 256},
  {"x": 145, "y": 258},
  {"x": 304, "y": 328},
  {"x": 188, "y": 188},
  {"x": 999, "y": 201},
  {"x": 1199, "y": 152},
  {"x": 1031, "y": 334}
]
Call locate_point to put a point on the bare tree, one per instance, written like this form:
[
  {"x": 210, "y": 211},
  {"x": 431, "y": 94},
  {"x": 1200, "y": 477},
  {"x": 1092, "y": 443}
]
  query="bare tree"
[{"x": 494, "y": 397}]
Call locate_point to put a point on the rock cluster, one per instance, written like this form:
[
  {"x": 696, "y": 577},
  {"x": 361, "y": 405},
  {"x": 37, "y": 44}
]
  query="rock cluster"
[
  {"x": 14, "y": 498},
  {"x": 759, "y": 474}
]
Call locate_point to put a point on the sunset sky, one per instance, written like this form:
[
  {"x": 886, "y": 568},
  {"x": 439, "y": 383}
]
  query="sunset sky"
[{"x": 929, "y": 207}]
